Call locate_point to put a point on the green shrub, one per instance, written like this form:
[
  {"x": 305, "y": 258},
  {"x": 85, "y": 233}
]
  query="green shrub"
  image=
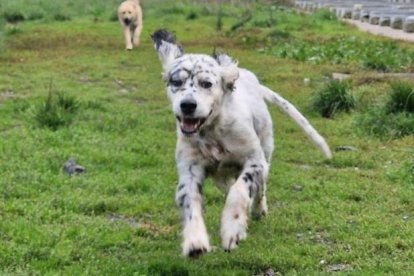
[
  {"x": 332, "y": 97},
  {"x": 61, "y": 17},
  {"x": 277, "y": 35},
  {"x": 401, "y": 97},
  {"x": 192, "y": 15},
  {"x": 1, "y": 35},
  {"x": 13, "y": 16},
  {"x": 36, "y": 16},
  {"x": 395, "y": 117},
  {"x": 379, "y": 123},
  {"x": 56, "y": 111},
  {"x": 323, "y": 14},
  {"x": 369, "y": 54}
]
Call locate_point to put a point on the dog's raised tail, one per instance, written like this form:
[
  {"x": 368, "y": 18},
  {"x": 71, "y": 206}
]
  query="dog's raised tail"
[{"x": 293, "y": 113}]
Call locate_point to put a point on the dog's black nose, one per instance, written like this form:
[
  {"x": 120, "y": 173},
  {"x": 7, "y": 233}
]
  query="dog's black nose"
[
  {"x": 188, "y": 106},
  {"x": 127, "y": 21}
]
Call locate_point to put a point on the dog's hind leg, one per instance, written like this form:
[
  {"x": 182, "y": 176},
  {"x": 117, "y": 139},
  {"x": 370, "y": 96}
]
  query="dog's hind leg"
[
  {"x": 245, "y": 193},
  {"x": 189, "y": 200}
]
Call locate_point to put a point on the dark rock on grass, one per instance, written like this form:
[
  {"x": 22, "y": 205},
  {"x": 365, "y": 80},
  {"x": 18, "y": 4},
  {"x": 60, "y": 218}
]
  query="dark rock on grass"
[
  {"x": 297, "y": 188},
  {"x": 346, "y": 148},
  {"x": 71, "y": 168},
  {"x": 338, "y": 267}
]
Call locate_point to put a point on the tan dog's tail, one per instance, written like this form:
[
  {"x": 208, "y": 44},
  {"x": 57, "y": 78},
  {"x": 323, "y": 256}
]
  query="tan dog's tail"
[{"x": 293, "y": 113}]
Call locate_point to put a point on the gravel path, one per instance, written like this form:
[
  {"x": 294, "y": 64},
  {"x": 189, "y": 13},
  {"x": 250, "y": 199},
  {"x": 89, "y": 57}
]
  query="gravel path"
[{"x": 383, "y": 31}]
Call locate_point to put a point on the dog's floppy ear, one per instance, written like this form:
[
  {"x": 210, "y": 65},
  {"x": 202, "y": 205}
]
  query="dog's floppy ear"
[
  {"x": 166, "y": 47},
  {"x": 230, "y": 70}
]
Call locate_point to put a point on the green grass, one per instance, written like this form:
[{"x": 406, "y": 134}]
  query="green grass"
[{"x": 120, "y": 218}]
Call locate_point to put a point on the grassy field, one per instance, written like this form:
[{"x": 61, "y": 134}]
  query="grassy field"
[{"x": 68, "y": 89}]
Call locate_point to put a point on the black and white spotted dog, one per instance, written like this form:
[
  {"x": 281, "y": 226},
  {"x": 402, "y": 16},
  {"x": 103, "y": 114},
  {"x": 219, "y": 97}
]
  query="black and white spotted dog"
[{"x": 224, "y": 130}]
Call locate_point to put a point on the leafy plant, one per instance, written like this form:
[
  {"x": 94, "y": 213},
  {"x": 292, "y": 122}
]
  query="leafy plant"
[{"x": 332, "y": 97}]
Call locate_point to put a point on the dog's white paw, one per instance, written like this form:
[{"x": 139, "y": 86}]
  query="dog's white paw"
[
  {"x": 129, "y": 48},
  {"x": 233, "y": 230},
  {"x": 195, "y": 240}
]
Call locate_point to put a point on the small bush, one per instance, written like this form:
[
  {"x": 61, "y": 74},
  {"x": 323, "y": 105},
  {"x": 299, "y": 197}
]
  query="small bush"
[
  {"x": 1, "y": 35},
  {"x": 56, "y": 111},
  {"x": 332, "y": 97},
  {"x": 13, "y": 30},
  {"x": 13, "y": 16},
  {"x": 277, "y": 35},
  {"x": 113, "y": 17},
  {"x": 378, "y": 123},
  {"x": 369, "y": 54},
  {"x": 61, "y": 17},
  {"x": 394, "y": 118},
  {"x": 401, "y": 97},
  {"x": 324, "y": 15},
  {"x": 35, "y": 16},
  {"x": 192, "y": 15},
  {"x": 219, "y": 21}
]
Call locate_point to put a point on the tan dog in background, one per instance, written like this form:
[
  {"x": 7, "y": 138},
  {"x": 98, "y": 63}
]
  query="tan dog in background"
[{"x": 130, "y": 17}]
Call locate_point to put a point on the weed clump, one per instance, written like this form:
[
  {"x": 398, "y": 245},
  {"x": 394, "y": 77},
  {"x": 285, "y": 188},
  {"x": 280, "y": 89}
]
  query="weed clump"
[
  {"x": 368, "y": 54},
  {"x": 332, "y": 97},
  {"x": 394, "y": 118},
  {"x": 401, "y": 98},
  {"x": 35, "y": 16},
  {"x": 1, "y": 35},
  {"x": 192, "y": 16},
  {"x": 56, "y": 111},
  {"x": 61, "y": 17},
  {"x": 13, "y": 16},
  {"x": 324, "y": 15}
]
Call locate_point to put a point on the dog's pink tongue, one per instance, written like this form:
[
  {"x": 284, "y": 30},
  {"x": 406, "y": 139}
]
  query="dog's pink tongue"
[{"x": 189, "y": 125}]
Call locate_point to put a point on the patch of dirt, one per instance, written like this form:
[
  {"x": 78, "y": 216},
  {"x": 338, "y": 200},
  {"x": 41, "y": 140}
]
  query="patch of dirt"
[
  {"x": 8, "y": 94},
  {"x": 42, "y": 40}
]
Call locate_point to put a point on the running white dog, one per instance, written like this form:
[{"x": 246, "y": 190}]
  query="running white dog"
[
  {"x": 130, "y": 17},
  {"x": 225, "y": 131}
]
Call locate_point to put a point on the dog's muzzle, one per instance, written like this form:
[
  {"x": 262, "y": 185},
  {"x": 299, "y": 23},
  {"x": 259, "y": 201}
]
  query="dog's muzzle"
[
  {"x": 127, "y": 21},
  {"x": 188, "y": 123},
  {"x": 188, "y": 107}
]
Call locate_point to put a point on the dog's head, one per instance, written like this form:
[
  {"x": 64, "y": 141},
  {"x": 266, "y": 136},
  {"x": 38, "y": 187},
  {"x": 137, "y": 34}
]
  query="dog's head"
[
  {"x": 196, "y": 83},
  {"x": 127, "y": 12}
]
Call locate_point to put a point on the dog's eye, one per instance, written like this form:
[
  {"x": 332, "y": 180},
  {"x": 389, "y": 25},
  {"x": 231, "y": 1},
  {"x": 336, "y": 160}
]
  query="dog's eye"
[
  {"x": 176, "y": 83},
  {"x": 205, "y": 84}
]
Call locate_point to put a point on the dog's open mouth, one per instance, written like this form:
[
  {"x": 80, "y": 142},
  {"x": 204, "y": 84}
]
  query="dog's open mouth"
[{"x": 190, "y": 125}]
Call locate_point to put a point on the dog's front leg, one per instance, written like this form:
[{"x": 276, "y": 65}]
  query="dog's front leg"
[
  {"x": 136, "y": 34},
  {"x": 127, "y": 37},
  {"x": 189, "y": 200},
  {"x": 242, "y": 194}
]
